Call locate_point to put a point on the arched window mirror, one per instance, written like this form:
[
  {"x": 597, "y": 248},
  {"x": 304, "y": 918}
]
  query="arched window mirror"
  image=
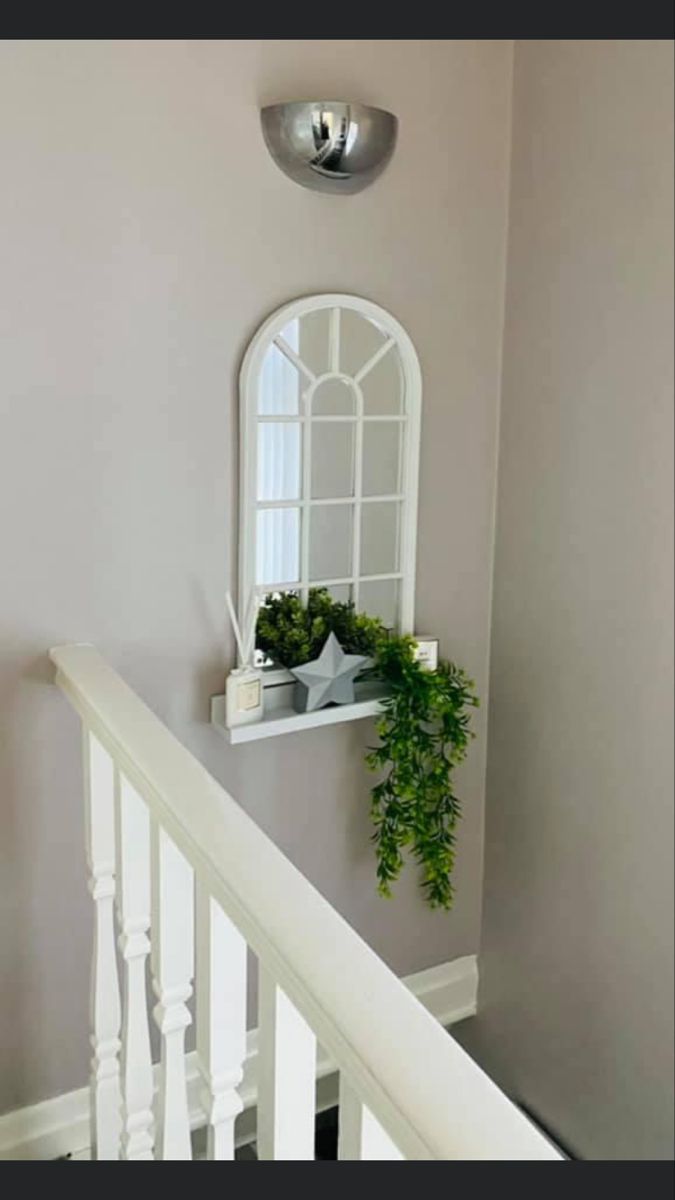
[{"x": 330, "y": 418}]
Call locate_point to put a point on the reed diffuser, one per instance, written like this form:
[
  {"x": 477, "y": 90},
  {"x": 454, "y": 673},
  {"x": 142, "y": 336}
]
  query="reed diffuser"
[{"x": 244, "y": 689}]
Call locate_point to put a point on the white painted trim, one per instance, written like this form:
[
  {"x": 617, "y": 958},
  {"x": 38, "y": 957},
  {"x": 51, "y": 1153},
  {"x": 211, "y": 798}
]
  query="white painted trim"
[
  {"x": 269, "y": 333},
  {"x": 60, "y": 1126},
  {"x": 286, "y": 720},
  {"x": 377, "y": 1032},
  {"x": 448, "y": 991}
]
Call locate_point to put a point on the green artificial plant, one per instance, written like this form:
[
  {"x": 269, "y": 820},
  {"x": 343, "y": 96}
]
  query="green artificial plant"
[{"x": 424, "y": 731}]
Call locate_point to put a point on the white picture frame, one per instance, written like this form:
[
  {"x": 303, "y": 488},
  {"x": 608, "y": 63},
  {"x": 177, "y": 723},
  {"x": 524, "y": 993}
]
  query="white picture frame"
[{"x": 394, "y": 340}]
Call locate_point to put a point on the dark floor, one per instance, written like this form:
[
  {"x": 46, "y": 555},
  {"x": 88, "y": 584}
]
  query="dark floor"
[{"x": 325, "y": 1140}]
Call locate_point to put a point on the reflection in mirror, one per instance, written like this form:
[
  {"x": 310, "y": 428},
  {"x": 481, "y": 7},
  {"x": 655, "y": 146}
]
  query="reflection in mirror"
[
  {"x": 278, "y": 545},
  {"x": 382, "y": 458},
  {"x": 311, "y": 341},
  {"x": 341, "y": 592},
  {"x": 360, "y": 339},
  {"x": 379, "y": 538},
  {"x": 279, "y": 460},
  {"x": 332, "y": 460},
  {"x": 330, "y": 541},
  {"x": 278, "y": 384},
  {"x": 379, "y": 598},
  {"x": 382, "y": 387},
  {"x": 333, "y": 398}
]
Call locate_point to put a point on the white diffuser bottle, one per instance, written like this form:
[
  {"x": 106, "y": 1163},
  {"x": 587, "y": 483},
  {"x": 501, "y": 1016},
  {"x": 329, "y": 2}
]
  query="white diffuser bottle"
[
  {"x": 244, "y": 687},
  {"x": 426, "y": 652}
]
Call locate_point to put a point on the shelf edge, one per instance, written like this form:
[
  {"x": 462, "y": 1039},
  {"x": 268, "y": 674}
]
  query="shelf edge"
[{"x": 290, "y": 723}]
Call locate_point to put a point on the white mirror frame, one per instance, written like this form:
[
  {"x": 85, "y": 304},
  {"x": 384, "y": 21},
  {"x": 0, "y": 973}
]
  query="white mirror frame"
[{"x": 396, "y": 336}]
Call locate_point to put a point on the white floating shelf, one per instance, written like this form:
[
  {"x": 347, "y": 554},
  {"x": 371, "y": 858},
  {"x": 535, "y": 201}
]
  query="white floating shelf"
[{"x": 281, "y": 718}]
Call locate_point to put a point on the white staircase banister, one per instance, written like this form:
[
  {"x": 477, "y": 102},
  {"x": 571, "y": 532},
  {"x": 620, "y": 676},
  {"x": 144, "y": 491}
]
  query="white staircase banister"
[{"x": 427, "y": 1093}]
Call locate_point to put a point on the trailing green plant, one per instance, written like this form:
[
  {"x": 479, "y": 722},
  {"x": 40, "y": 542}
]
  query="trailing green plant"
[{"x": 424, "y": 731}]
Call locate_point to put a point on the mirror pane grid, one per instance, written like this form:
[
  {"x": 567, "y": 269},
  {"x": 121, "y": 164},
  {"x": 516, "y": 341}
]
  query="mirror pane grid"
[
  {"x": 333, "y": 397},
  {"x": 332, "y": 459},
  {"x": 278, "y": 545},
  {"x": 380, "y": 538},
  {"x": 279, "y": 460},
  {"x": 380, "y": 598},
  {"x": 313, "y": 340},
  {"x": 278, "y": 385},
  {"x": 340, "y": 592},
  {"x": 331, "y": 531},
  {"x": 332, "y": 468},
  {"x": 382, "y": 458},
  {"x": 334, "y": 332},
  {"x": 360, "y": 339},
  {"x": 383, "y": 386}
]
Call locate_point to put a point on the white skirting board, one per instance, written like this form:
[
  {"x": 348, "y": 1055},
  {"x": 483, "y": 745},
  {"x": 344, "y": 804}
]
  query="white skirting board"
[{"x": 60, "y": 1126}]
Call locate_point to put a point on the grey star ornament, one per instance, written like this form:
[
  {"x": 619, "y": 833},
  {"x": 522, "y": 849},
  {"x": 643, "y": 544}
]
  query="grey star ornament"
[{"x": 329, "y": 679}]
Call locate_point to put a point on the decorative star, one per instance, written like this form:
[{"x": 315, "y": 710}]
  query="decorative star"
[{"x": 330, "y": 677}]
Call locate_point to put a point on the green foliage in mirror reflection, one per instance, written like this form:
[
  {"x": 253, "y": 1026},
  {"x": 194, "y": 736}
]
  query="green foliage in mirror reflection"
[
  {"x": 424, "y": 732},
  {"x": 291, "y": 633}
]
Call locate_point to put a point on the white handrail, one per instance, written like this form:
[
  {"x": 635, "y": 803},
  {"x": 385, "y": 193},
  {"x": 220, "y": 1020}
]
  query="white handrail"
[{"x": 426, "y": 1092}]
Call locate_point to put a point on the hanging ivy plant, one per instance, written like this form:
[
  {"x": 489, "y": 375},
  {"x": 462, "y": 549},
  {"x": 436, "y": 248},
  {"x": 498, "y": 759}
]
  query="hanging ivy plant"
[{"x": 424, "y": 731}]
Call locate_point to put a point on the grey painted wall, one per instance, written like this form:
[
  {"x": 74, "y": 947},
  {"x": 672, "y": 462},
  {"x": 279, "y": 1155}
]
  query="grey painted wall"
[
  {"x": 144, "y": 234},
  {"x": 576, "y": 1002}
]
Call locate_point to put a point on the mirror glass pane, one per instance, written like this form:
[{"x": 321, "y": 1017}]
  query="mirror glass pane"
[
  {"x": 279, "y": 460},
  {"x": 360, "y": 339},
  {"x": 382, "y": 457},
  {"x": 278, "y": 545},
  {"x": 330, "y": 541},
  {"x": 341, "y": 592},
  {"x": 278, "y": 385},
  {"x": 334, "y": 398},
  {"x": 379, "y": 538},
  {"x": 379, "y": 598},
  {"x": 309, "y": 337},
  {"x": 382, "y": 387},
  {"x": 303, "y": 494},
  {"x": 332, "y": 459}
]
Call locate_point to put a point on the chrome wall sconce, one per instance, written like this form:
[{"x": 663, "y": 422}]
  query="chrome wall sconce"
[{"x": 329, "y": 145}]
